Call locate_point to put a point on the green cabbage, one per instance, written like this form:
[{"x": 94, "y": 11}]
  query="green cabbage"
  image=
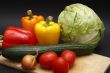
[{"x": 80, "y": 24}]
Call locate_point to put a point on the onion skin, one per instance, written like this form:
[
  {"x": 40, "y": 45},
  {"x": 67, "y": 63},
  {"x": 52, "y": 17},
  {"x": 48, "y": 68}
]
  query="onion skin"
[{"x": 29, "y": 62}]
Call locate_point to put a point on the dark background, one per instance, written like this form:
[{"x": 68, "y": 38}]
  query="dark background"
[{"x": 11, "y": 12}]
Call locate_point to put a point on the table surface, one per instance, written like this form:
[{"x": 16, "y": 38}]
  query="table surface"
[{"x": 11, "y": 12}]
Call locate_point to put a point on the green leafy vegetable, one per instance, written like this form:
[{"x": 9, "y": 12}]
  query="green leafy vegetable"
[{"x": 80, "y": 24}]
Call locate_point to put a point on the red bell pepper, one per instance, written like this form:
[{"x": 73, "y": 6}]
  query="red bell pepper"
[{"x": 14, "y": 36}]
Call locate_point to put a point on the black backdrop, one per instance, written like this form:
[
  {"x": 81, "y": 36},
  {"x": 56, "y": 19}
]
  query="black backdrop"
[{"x": 11, "y": 12}]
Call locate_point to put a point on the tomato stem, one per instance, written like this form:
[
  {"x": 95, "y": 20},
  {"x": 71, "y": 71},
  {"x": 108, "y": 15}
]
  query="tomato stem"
[{"x": 30, "y": 14}]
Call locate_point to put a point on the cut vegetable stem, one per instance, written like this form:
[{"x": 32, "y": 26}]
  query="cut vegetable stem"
[
  {"x": 49, "y": 19},
  {"x": 30, "y": 14},
  {"x": 1, "y": 37}
]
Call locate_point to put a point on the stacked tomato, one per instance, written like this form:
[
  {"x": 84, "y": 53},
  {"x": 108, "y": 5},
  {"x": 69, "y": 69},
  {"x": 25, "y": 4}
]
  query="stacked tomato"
[{"x": 50, "y": 60}]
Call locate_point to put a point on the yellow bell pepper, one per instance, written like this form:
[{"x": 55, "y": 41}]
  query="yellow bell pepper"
[{"x": 47, "y": 32}]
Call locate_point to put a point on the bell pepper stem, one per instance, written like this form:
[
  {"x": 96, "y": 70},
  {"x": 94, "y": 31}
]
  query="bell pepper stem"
[
  {"x": 48, "y": 19},
  {"x": 30, "y": 14}
]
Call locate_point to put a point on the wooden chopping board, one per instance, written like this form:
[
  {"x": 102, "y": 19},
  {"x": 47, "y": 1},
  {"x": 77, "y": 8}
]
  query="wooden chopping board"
[{"x": 93, "y": 63}]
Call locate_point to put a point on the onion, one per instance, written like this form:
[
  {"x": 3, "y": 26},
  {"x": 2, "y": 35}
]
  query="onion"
[{"x": 29, "y": 62}]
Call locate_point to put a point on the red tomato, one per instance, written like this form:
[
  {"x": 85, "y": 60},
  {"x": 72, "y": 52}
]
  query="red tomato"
[
  {"x": 60, "y": 66},
  {"x": 46, "y": 59},
  {"x": 69, "y": 56}
]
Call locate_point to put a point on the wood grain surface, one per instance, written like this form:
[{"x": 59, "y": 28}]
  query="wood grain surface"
[{"x": 93, "y": 63}]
